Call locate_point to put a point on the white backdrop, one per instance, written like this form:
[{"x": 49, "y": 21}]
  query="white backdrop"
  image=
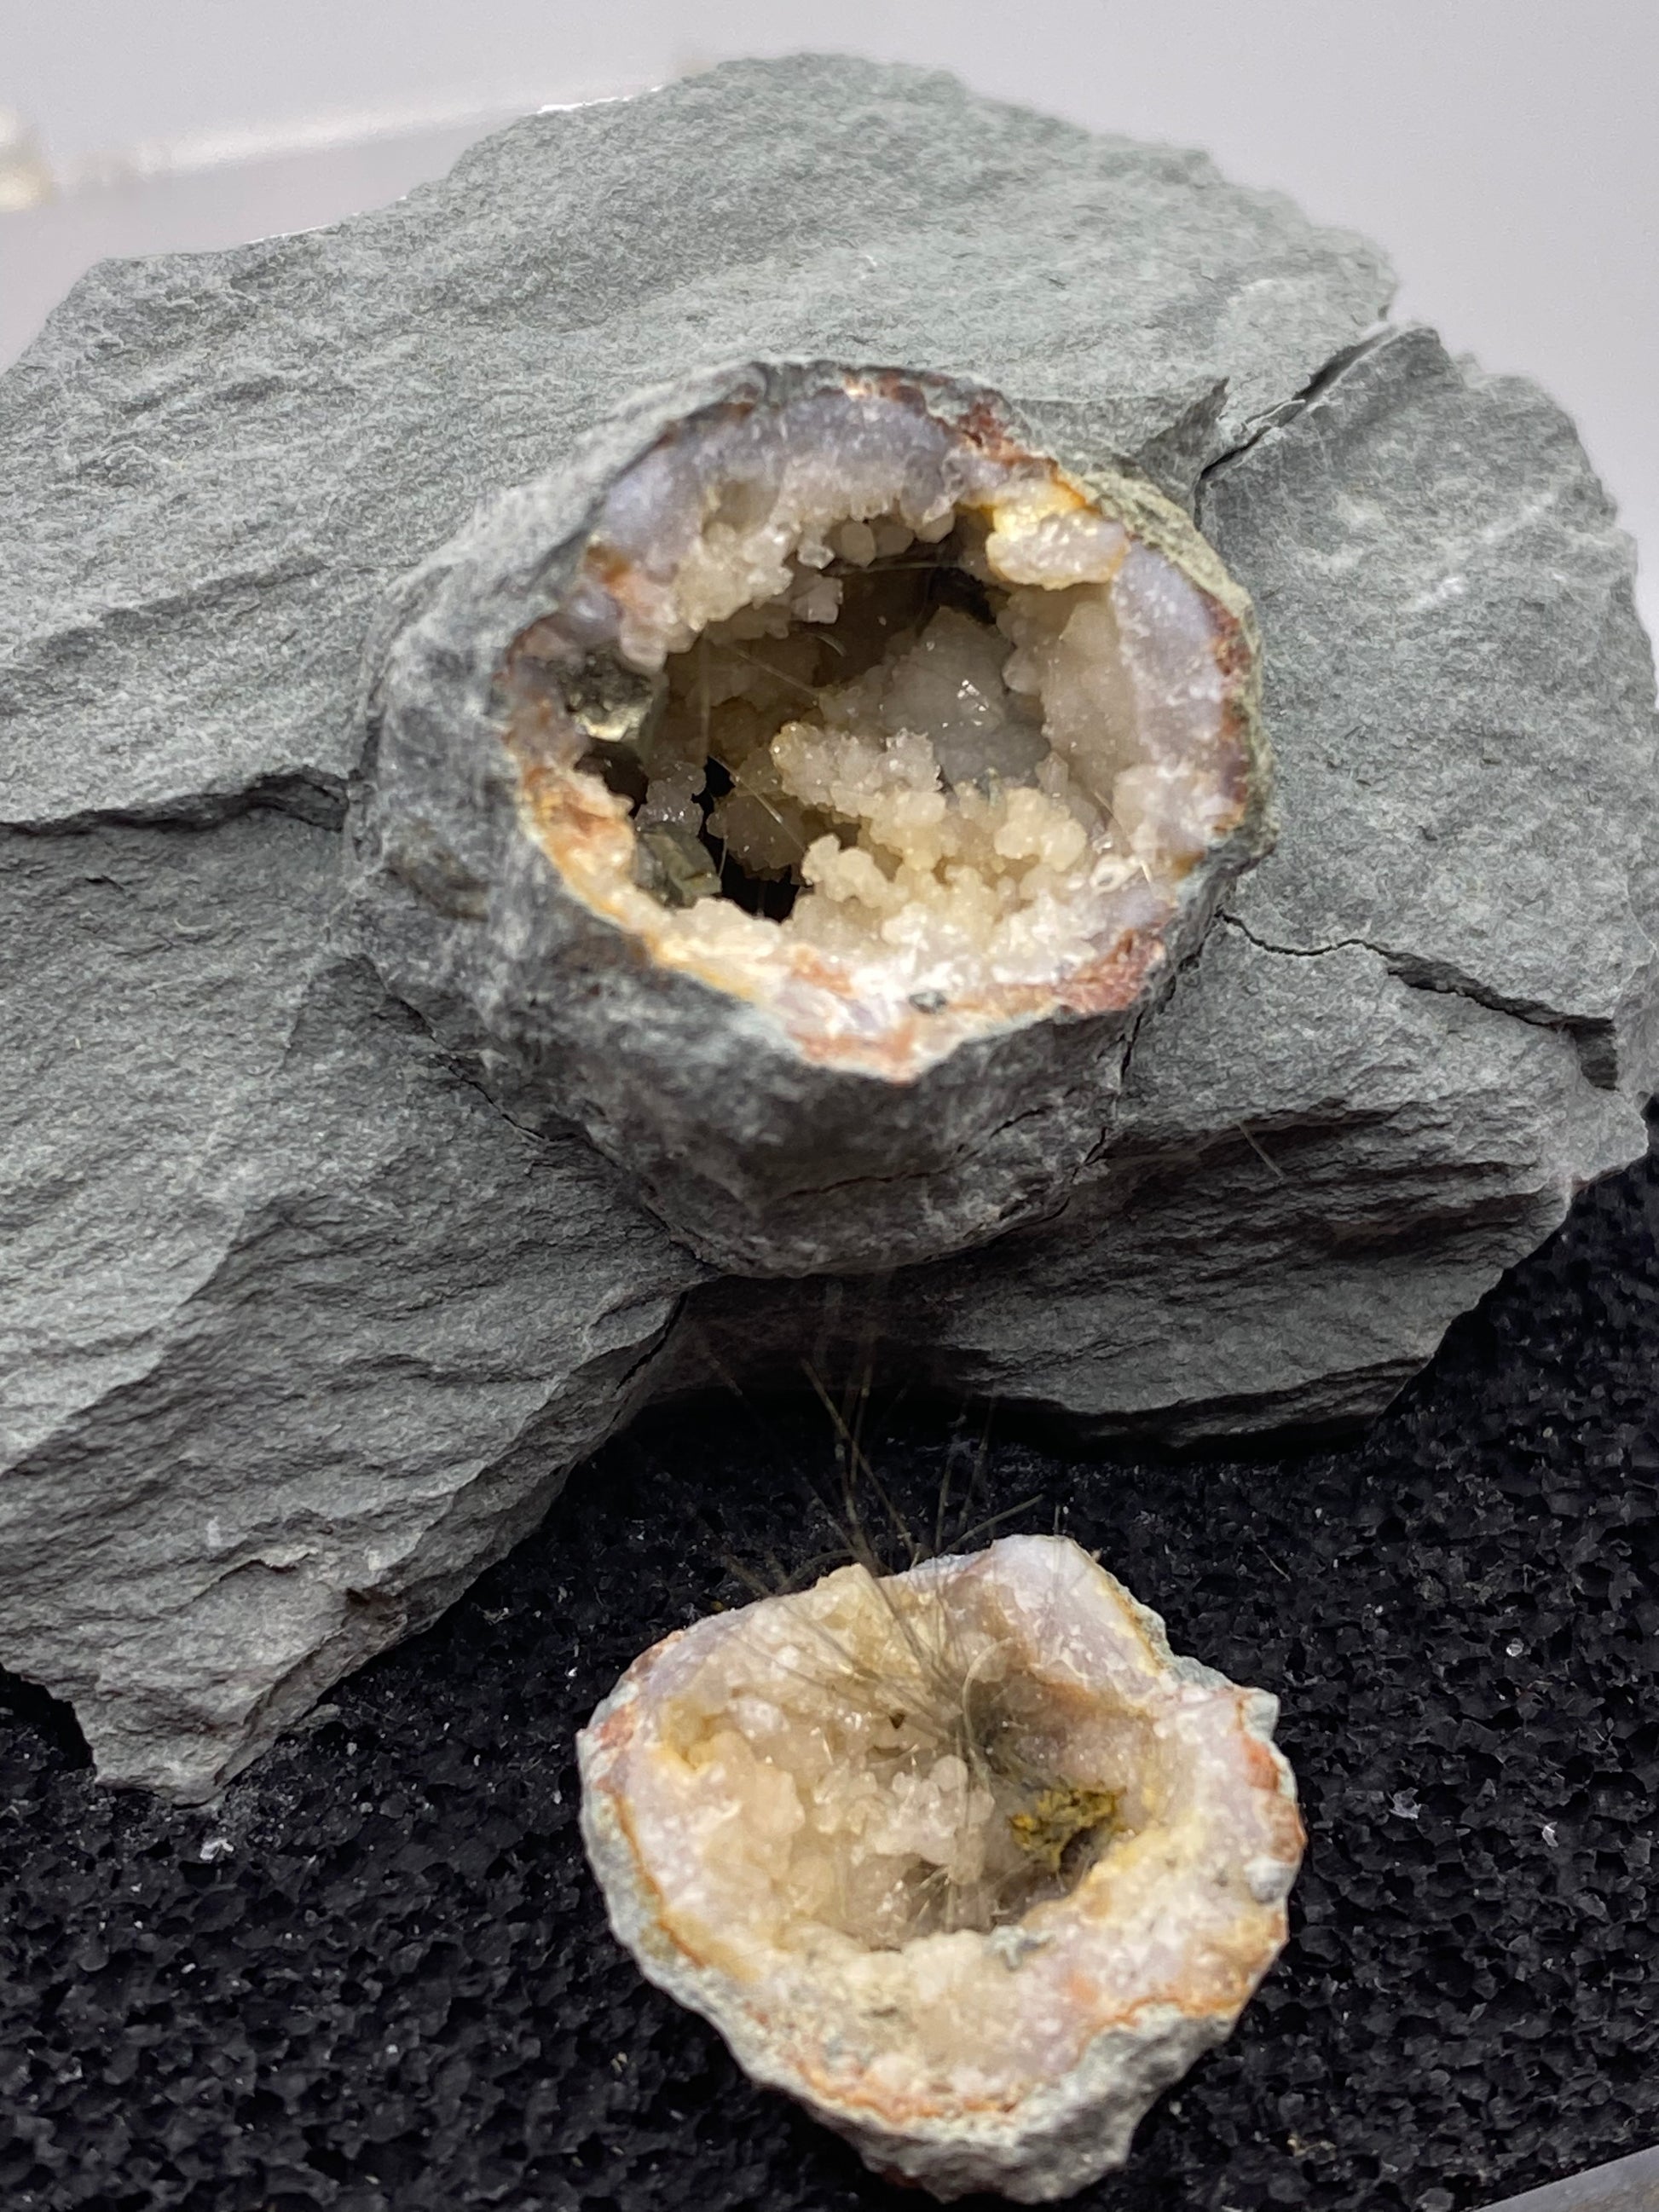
[{"x": 1504, "y": 151}]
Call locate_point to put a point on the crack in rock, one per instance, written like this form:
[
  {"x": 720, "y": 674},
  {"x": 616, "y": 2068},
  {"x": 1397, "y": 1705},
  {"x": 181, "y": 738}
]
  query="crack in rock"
[
  {"x": 282, "y": 1282},
  {"x": 1594, "y": 1041}
]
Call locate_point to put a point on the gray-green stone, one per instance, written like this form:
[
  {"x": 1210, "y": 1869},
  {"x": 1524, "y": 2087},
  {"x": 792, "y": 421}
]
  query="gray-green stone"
[{"x": 298, "y": 1330}]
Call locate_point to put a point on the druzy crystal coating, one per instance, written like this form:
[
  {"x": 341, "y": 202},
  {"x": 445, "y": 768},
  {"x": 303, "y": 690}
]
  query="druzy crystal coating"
[
  {"x": 859, "y": 710},
  {"x": 806, "y": 788},
  {"x": 964, "y": 1858}
]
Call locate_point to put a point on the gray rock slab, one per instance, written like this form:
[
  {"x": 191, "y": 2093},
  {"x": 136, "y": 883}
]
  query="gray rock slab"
[
  {"x": 216, "y": 464},
  {"x": 299, "y": 1332},
  {"x": 1427, "y": 1016},
  {"x": 297, "y": 1328},
  {"x": 1316, "y": 1169},
  {"x": 1461, "y": 695}
]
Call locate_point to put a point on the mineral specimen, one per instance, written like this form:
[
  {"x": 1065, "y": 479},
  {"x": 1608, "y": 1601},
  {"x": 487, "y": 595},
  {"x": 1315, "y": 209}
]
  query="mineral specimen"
[
  {"x": 964, "y": 1859},
  {"x": 1384, "y": 1073},
  {"x": 297, "y": 1328},
  {"x": 757, "y": 821}
]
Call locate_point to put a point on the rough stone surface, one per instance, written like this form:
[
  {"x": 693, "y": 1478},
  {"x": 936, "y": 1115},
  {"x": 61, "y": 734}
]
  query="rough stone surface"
[
  {"x": 1285, "y": 1232},
  {"x": 1427, "y": 1016},
  {"x": 765, "y": 1157},
  {"x": 1463, "y": 738},
  {"x": 215, "y": 463},
  {"x": 304, "y": 1328},
  {"x": 298, "y": 1332}
]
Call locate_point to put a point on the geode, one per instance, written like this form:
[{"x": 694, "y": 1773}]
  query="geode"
[
  {"x": 964, "y": 1858},
  {"x": 810, "y": 806},
  {"x": 315, "y": 1287}
]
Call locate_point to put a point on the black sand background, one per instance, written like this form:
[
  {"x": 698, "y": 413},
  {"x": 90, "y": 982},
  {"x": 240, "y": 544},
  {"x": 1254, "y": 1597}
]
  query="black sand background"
[{"x": 377, "y": 1977}]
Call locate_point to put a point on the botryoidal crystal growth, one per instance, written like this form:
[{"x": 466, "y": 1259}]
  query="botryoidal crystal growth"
[
  {"x": 806, "y": 791},
  {"x": 965, "y": 1859}
]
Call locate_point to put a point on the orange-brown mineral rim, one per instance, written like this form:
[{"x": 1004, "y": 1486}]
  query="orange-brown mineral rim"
[
  {"x": 1210, "y": 1868},
  {"x": 585, "y": 829}
]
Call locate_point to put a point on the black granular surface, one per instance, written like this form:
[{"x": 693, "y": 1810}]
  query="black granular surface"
[{"x": 377, "y": 1977}]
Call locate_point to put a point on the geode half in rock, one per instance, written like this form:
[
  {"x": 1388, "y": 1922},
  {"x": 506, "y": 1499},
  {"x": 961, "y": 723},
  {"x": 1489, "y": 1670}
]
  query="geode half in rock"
[{"x": 810, "y": 806}]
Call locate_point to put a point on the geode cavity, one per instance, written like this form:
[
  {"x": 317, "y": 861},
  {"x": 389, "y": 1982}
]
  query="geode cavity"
[
  {"x": 964, "y": 1858},
  {"x": 804, "y": 791}
]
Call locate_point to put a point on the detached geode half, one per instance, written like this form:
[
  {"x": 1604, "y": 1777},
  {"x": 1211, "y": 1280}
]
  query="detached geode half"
[
  {"x": 806, "y": 791},
  {"x": 965, "y": 1859}
]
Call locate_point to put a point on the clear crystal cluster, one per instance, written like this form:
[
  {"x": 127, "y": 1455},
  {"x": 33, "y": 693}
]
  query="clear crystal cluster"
[
  {"x": 964, "y": 1858},
  {"x": 860, "y": 711}
]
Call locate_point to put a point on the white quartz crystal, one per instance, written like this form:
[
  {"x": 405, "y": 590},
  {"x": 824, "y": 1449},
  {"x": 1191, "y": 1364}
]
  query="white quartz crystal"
[
  {"x": 964, "y": 1859},
  {"x": 950, "y": 733}
]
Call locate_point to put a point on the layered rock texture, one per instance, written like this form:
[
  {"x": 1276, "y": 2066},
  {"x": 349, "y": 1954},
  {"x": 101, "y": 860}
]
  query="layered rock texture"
[{"x": 302, "y": 1317}]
